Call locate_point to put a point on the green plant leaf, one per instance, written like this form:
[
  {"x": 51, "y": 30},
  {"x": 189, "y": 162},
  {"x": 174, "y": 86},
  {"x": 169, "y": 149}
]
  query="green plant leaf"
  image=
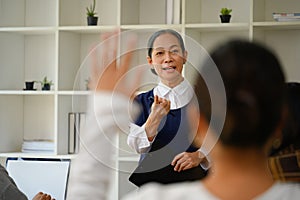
[
  {"x": 91, "y": 9},
  {"x": 225, "y": 11}
]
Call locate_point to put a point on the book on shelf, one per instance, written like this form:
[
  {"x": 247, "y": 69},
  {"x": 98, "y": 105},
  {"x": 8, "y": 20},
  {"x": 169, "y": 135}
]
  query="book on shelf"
[
  {"x": 38, "y": 146},
  {"x": 282, "y": 17},
  {"x": 76, "y": 123}
]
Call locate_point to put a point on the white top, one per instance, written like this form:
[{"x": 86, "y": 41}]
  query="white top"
[
  {"x": 196, "y": 190},
  {"x": 179, "y": 96}
]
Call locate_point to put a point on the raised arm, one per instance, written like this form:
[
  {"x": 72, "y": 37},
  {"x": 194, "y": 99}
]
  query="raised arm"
[{"x": 90, "y": 174}]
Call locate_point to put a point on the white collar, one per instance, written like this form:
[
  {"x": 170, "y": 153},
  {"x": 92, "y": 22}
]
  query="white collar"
[{"x": 179, "y": 96}]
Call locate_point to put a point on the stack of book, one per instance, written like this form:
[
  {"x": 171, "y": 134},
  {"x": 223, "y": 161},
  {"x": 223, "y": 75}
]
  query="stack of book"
[
  {"x": 285, "y": 17},
  {"x": 38, "y": 146}
]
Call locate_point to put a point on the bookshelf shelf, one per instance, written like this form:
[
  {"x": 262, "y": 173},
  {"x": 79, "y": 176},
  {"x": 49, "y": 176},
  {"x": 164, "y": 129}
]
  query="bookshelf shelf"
[
  {"x": 277, "y": 25},
  {"x": 219, "y": 27},
  {"x": 36, "y": 155}
]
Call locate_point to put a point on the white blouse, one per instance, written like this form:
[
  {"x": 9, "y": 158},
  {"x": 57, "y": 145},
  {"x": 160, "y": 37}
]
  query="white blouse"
[{"x": 179, "y": 96}]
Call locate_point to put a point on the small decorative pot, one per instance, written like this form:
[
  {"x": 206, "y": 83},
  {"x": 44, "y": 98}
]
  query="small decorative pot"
[
  {"x": 29, "y": 85},
  {"x": 92, "y": 21},
  {"x": 225, "y": 18},
  {"x": 46, "y": 86}
]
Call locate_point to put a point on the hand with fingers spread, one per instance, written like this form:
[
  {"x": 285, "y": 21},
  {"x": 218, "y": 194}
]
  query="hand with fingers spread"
[
  {"x": 109, "y": 75},
  {"x": 159, "y": 109},
  {"x": 187, "y": 160}
]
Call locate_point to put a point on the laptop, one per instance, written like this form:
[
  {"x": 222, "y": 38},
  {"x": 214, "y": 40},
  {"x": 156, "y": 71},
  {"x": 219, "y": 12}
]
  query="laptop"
[{"x": 40, "y": 175}]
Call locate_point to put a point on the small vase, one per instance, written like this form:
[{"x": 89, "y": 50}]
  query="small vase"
[
  {"x": 225, "y": 18},
  {"x": 29, "y": 85},
  {"x": 46, "y": 86},
  {"x": 92, "y": 21}
]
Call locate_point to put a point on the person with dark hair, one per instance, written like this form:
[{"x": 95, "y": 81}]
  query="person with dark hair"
[
  {"x": 285, "y": 156},
  {"x": 161, "y": 132}
]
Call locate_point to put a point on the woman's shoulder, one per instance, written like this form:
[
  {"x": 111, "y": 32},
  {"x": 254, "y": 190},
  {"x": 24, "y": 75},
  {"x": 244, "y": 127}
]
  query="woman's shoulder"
[
  {"x": 146, "y": 93},
  {"x": 175, "y": 191},
  {"x": 145, "y": 96}
]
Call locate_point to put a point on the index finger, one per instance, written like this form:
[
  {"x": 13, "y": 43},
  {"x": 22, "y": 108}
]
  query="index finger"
[{"x": 176, "y": 158}]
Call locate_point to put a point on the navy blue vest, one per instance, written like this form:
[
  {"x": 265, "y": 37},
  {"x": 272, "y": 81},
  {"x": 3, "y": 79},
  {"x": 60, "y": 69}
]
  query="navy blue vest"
[
  {"x": 172, "y": 139},
  {"x": 173, "y": 130}
]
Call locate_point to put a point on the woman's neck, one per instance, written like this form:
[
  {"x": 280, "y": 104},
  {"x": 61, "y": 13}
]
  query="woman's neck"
[
  {"x": 172, "y": 83},
  {"x": 246, "y": 172}
]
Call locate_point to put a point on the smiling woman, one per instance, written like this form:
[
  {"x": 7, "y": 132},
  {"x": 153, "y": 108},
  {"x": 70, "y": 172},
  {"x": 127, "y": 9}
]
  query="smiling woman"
[{"x": 161, "y": 132}]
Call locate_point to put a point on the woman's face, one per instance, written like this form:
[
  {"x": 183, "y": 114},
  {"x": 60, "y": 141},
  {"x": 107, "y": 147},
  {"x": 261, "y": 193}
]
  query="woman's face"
[{"x": 167, "y": 58}]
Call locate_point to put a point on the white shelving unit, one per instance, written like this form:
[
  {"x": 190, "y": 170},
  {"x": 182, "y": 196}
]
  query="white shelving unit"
[{"x": 50, "y": 38}]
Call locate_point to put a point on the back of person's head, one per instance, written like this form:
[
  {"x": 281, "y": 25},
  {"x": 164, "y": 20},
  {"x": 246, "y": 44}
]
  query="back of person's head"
[
  {"x": 292, "y": 124},
  {"x": 254, "y": 85},
  {"x": 291, "y": 130}
]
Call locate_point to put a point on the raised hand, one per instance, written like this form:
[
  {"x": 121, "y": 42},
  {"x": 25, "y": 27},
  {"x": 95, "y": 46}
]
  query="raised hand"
[
  {"x": 107, "y": 73},
  {"x": 159, "y": 109}
]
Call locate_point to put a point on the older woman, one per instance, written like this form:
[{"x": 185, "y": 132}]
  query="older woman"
[{"x": 161, "y": 133}]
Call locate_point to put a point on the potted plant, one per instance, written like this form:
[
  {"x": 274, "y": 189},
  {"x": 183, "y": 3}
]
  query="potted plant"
[
  {"x": 92, "y": 19},
  {"x": 225, "y": 15},
  {"x": 46, "y": 84}
]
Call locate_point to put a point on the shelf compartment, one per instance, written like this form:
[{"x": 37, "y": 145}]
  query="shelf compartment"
[
  {"x": 285, "y": 43},
  {"x": 28, "y": 13},
  {"x": 73, "y": 12},
  {"x": 33, "y": 58},
  {"x": 208, "y": 11},
  {"x": 209, "y": 39},
  {"x": 263, "y": 9},
  {"x": 74, "y": 73},
  {"x": 134, "y": 12},
  {"x": 25, "y": 118}
]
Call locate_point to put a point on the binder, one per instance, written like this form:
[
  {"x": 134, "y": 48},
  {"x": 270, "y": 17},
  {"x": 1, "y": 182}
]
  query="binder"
[{"x": 76, "y": 124}]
